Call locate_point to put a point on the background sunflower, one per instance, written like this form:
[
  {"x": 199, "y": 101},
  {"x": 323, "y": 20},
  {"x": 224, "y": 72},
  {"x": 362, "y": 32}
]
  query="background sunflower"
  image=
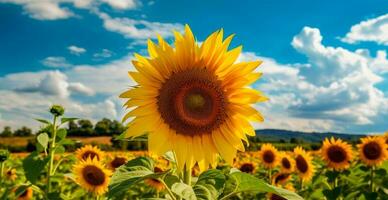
[
  {"x": 303, "y": 164},
  {"x": 336, "y": 153},
  {"x": 372, "y": 150},
  {"x": 269, "y": 156}
]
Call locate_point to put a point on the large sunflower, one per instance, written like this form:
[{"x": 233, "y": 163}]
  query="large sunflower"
[
  {"x": 287, "y": 164},
  {"x": 193, "y": 99},
  {"x": 336, "y": 153},
  {"x": 269, "y": 155},
  {"x": 89, "y": 151},
  {"x": 303, "y": 164},
  {"x": 92, "y": 175},
  {"x": 372, "y": 150}
]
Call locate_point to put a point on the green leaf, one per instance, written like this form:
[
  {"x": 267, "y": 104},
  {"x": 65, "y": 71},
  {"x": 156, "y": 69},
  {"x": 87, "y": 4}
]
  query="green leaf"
[
  {"x": 238, "y": 182},
  {"x": 60, "y": 149},
  {"x": 184, "y": 191},
  {"x": 123, "y": 179},
  {"x": 61, "y": 133},
  {"x": 332, "y": 194},
  {"x": 141, "y": 161},
  {"x": 67, "y": 119},
  {"x": 210, "y": 184},
  {"x": 33, "y": 166},
  {"x": 43, "y": 121},
  {"x": 43, "y": 140}
]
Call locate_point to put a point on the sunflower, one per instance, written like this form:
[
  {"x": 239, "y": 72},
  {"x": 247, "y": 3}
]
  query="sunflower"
[
  {"x": 89, "y": 151},
  {"x": 247, "y": 167},
  {"x": 155, "y": 183},
  {"x": 372, "y": 150},
  {"x": 303, "y": 164},
  {"x": 193, "y": 99},
  {"x": 26, "y": 195},
  {"x": 10, "y": 174},
  {"x": 116, "y": 162},
  {"x": 287, "y": 164},
  {"x": 92, "y": 175},
  {"x": 281, "y": 178},
  {"x": 269, "y": 155},
  {"x": 336, "y": 153}
]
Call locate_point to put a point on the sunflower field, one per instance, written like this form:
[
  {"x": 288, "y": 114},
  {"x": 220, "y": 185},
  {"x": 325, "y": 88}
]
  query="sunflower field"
[{"x": 193, "y": 104}]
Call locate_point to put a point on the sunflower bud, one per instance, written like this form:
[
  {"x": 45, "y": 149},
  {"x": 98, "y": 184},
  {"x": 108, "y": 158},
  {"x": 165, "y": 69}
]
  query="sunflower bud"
[
  {"x": 57, "y": 110},
  {"x": 4, "y": 155}
]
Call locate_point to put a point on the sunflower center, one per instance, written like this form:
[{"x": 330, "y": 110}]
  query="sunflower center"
[
  {"x": 277, "y": 197},
  {"x": 192, "y": 102},
  {"x": 301, "y": 164},
  {"x": 247, "y": 168},
  {"x": 118, "y": 161},
  {"x": 336, "y": 154},
  {"x": 372, "y": 150},
  {"x": 268, "y": 156},
  {"x": 93, "y": 175},
  {"x": 286, "y": 163},
  {"x": 90, "y": 154},
  {"x": 25, "y": 193},
  {"x": 281, "y": 177}
]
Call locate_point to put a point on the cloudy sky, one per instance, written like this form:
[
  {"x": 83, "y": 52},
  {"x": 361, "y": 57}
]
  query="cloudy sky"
[{"x": 325, "y": 64}]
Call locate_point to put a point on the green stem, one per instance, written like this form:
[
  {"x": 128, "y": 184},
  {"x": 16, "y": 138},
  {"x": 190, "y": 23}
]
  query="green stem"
[
  {"x": 301, "y": 184},
  {"x": 52, "y": 154},
  {"x": 187, "y": 175},
  {"x": 168, "y": 190},
  {"x": 372, "y": 178},
  {"x": 2, "y": 170},
  {"x": 270, "y": 175}
]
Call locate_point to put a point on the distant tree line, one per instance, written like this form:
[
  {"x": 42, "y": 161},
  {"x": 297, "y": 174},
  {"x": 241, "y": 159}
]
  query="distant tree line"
[{"x": 82, "y": 127}]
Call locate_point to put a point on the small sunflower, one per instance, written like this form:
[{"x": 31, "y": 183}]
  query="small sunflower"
[
  {"x": 155, "y": 183},
  {"x": 372, "y": 150},
  {"x": 89, "y": 151},
  {"x": 116, "y": 162},
  {"x": 303, "y": 164},
  {"x": 269, "y": 155},
  {"x": 10, "y": 174},
  {"x": 281, "y": 178},
  {"x": 336, "y": 153},
  {"x": 287, "y": 164},
  {"x": 193, "y": 99},
  {"x": 26, "y": 195},
  {"x": 247, "y": 167},
  {"x": 92, "y": 175}
]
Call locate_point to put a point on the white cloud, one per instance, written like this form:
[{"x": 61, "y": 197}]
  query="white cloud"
[
  {"x": 372, "y": 30},
  {"x": 42, "y": 9},
  {"x": 56, "y": 62},
  {"x": 122, "y": 4},
  {"x": 105, "y": 53},
  {"x": 138, "y": 29},
  {"x": 76, "y": 50}
]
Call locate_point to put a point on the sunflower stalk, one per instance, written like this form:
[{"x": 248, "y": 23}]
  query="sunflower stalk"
[
  {"x": 187, "y": 175},
  {"x": 372, "y": 169},
  {"x": 2, "y": 171},
  {"x": 52, "y": 154}
]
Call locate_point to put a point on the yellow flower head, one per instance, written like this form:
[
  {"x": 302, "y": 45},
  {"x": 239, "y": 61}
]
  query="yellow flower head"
[
  {"x": 269, "y": 155},
  {"x": 336, "y": 153},
  {"x": 193, "y": 99},
  {"x": 92, "y": 175},
  {"x": 10, "y": 174},
  {"x": 155, "y": 183},
  {"x": 26, "y": 195},
  {"x": 281, "y": 178},
  {"x": 287, "y": 164},
  {"x": 303, "y": 164},
  {"x": 89, "y": 151},
  {"x": 372, "y": 150},
  {"x": 247, "y": 167},
  {"x": 117, "y": 161}
]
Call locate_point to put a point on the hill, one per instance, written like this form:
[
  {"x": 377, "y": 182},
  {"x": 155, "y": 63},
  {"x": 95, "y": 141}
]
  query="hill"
[{"x": 315, "y": 137}]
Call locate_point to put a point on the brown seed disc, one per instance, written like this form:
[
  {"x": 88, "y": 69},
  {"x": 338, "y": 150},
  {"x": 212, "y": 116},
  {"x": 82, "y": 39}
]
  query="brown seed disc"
[
  {"x": 247, "y": 167},
  {"x": 268, "y": 156},
  {"x": 91, "y": 155},
  {"x": 118, "y": 161},
  {"x": 192, "y": 102},
  {"x": 93, "y": 175},
  {"x": 372, "y": 150},
  {"x": 336, "y": 154},
  {"x": 286, "y": 163},
  {"x": 281, "y": 177},
  {"x": 301, "y": 164},
  {"x": 276, "y": 197}
]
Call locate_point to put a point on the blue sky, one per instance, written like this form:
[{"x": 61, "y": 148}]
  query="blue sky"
[{"x": 325, "y": 63}]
